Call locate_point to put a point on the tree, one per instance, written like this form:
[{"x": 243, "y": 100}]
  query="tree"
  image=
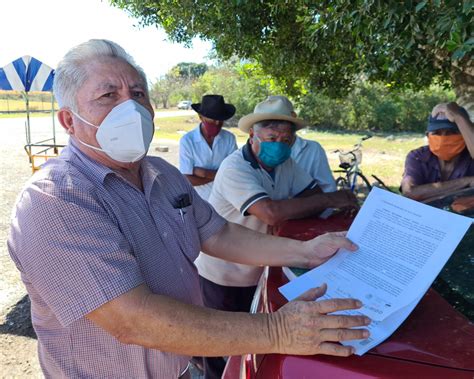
[
  {"x": 190, "y": 71},
  {"x": 164, "y": 87},
  {"x": 330, "y": 43},
  {"x": 242, "y": 84}
]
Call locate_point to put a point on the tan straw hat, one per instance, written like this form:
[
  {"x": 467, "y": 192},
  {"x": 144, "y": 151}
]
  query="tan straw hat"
[{"x": 273, "y": 108}]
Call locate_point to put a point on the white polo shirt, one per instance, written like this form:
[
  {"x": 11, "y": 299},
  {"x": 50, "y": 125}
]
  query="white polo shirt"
[
  {"x": 239, "y": 183},
  {"x": 195, "y": 152},
  {"x": 312, "y": 158}
]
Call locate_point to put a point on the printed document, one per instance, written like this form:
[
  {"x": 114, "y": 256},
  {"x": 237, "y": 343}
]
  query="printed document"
[{"x": 403, "y": 245}]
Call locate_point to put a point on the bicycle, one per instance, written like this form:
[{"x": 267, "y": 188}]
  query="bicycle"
[{"x": 351, "y": 176}]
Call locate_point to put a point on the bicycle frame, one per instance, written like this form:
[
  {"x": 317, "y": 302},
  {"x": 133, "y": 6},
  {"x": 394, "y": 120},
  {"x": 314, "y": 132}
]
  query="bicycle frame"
[
  {"x": 350, "y": 168},
  {"x": 351, "y": 171}
]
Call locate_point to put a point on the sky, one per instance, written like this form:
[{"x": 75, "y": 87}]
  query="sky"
[{"x": 47, "y": 29}]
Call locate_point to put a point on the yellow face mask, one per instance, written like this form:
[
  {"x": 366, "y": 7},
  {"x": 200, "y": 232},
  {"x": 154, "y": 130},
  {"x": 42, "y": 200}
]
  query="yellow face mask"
[{"x": 446, "y": 147}]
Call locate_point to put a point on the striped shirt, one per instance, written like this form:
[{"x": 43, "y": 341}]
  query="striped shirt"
[{"x": 81, "y": 236}]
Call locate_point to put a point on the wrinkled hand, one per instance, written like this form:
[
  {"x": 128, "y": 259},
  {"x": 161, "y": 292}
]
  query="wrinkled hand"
[
  {"x": 450, "y": 110},
  {"x": 323, "y": 247},
  {"x": 305, "y": 327}
]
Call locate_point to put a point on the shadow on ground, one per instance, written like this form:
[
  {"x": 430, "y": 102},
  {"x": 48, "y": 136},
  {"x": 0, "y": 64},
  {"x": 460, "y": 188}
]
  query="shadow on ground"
[{"x": 18, "y": 320}]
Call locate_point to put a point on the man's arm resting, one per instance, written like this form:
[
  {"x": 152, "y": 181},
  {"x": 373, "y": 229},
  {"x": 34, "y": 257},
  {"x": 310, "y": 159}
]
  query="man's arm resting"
[
  {"x": 274, "y": 212},
  {"x": 201, "y": 176},
  {"x": 301, "y": 327},
  {"x": 425, "y": 191}
]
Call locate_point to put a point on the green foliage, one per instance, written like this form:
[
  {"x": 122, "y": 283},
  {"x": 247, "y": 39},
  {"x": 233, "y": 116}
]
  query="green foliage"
[
  {"x": 189, "y": 70},
  {"x": 374, "y": 107},
  {"x": 326, "y": 43},
  {"x": 242, "y": 84}
]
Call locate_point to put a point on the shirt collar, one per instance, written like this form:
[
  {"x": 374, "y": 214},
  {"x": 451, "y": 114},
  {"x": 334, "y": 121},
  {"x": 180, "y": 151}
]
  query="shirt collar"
[
  {"x": 247, "y": 153},
  {"x": 97, "y": 170},
  {"x": 198, "y": 137},
  {"x": 427, "y": 155},
  {"x": 149, "y": 174},
  {"x": 94, "y": 168}
]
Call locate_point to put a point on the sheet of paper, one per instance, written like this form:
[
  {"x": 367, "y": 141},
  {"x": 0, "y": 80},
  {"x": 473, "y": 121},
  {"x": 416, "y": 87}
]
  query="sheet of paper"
[{"x": 403, "y": 245}]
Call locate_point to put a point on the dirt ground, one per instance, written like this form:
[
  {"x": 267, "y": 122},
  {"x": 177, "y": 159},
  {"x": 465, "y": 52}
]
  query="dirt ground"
[{"x": 18, "y": 355}]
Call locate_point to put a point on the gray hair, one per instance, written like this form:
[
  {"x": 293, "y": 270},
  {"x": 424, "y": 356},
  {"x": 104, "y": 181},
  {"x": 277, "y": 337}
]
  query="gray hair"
[
  {"x": 272, "y": 124},
  {"x": 71, "y": 72}
]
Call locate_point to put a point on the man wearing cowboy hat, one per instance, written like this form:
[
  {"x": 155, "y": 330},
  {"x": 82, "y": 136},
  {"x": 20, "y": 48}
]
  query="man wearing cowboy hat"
[
  {"x": 260, "y": 186},
  {"x": 202, "y": 150}
]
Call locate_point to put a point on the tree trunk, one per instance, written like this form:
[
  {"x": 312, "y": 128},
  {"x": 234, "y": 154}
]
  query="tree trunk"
[{"x": 462, "y": 78}]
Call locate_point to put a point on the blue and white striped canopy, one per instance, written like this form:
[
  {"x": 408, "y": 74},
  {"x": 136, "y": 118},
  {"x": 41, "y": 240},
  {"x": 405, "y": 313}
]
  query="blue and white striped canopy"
[{"x": 26, "y": 74}]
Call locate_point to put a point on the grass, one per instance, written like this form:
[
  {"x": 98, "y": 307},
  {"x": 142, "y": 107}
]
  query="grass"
[
  {"x": 383, "y": 154},
  {"x": 14, "y": 105}
]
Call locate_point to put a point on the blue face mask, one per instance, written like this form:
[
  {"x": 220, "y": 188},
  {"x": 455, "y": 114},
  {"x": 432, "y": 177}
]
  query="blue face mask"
[{"x": 272, "y": 153}]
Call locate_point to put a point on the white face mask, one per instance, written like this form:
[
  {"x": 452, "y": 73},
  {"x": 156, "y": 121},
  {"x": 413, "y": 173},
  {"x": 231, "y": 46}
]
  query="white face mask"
[{"x": 125, "y": 133}]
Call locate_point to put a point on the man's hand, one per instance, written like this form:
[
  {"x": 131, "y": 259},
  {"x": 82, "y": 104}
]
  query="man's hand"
[
  {"x": 306, "y": 327},
  {"x": 320, "y": 249},
  {"x": 450, "y": 110},
  {"x": 343, "y": 199}
]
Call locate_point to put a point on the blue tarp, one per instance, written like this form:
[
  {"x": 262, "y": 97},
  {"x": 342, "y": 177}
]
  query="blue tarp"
[{"x": 26, "y": 74}]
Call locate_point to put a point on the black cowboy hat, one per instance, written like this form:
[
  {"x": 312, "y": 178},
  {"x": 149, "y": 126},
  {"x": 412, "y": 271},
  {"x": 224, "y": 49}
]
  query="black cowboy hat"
[{"x": 214, "y": 107}]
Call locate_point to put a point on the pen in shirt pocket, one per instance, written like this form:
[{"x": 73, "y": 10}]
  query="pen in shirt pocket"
[{"x": 182, "y": 201}]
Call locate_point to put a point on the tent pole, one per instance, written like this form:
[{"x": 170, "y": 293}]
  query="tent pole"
[
  {"x": 54, "y": 124},
  {"x": 28, "y": 130}
]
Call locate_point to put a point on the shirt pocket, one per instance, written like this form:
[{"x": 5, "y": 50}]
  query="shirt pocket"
[{"x": 188, "y": 234}]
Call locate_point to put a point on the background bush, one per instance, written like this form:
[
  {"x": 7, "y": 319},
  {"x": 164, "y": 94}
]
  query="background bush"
[{"x": 373, "y": 107}]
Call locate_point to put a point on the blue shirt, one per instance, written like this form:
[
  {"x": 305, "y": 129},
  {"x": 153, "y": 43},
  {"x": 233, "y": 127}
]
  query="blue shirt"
[{"x": 311, "y": 157}]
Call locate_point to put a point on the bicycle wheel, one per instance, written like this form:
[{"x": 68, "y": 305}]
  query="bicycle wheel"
[
  {"x": 379, "y": 183},
  {"x": 341, "y": 184},
  {"x": 361, "y": 186}
]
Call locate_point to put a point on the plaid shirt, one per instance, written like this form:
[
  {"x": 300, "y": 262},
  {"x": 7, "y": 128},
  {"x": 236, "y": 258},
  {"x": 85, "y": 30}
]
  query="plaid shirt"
[{"x": 82, "y": 236}]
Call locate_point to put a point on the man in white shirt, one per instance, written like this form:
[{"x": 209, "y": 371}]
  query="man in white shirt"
[
  {"x": 260, "y": 186},
  {"x": 310, "y": 156},
  {"x": 202, "y": 150}
]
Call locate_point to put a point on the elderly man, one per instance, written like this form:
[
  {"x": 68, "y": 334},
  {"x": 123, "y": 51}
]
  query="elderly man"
[
  {"x": 105, "y": 239},
  {"x": 310, "y": 155},
  {"x": 447, "y": 163},
  {"x": 260, "y": 186},
  {"x": 202, "y": 150}
]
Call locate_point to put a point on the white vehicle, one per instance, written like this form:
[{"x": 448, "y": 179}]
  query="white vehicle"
[{"x": 184, "y": 104}]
